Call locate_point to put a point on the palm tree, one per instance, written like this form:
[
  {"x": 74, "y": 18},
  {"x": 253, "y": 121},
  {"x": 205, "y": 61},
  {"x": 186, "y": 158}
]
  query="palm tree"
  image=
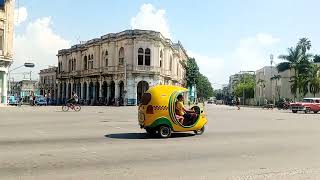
[
  {"x": 304, "y": 44},
  {"x": 314, "y": 80},
  {"x": 294, "y": 57},
  {"x": 299, "y": 85}
]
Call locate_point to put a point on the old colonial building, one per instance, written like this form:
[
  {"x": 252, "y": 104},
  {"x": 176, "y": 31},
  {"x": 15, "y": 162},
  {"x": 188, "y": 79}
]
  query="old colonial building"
[
  {"x": 47, "y": 82},
  {"x": 6, "y": 40},
  {"x": 119, "y": 67}
]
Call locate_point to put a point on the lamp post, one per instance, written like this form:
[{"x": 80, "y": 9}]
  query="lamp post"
[{"x": 28, "y": 65}]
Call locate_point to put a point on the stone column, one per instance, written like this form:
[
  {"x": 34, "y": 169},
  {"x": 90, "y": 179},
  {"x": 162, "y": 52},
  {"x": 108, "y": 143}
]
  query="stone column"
[
  {"x": 4, "y": 88},
  {"x": 59, "y": 91},
  {"x": 94, "y": 91},
  {"x": 67, "y": 90},
  {"x": 81, "y": 90},
  {"x": 108, "y": 91},
  {"x": 116, "y": 92},
  {"x": 100, "y": 88},
  {"x": 88, "y": 84},
  {"x": 71, "y": 89},
  {"x": 135, "y": 92}
]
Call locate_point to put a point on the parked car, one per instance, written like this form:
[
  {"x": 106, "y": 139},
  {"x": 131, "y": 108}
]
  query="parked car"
[
  {"x": 40, "y": 101},
  {"x": 307, "y": 105},
  {"x": 12, "y": 100},
  {"x": 210, "y": 101}
]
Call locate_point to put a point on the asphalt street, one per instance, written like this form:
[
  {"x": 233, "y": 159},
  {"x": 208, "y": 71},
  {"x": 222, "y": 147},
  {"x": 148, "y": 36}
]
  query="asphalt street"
[{"x": 107, "y": 143}]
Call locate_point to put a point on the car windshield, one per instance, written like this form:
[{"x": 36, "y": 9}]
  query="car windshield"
[{"x": 307, "y": 100}]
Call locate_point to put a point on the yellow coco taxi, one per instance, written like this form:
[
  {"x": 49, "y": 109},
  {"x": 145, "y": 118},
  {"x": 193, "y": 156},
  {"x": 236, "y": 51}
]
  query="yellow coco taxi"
[{"x": 157, "y": 112}]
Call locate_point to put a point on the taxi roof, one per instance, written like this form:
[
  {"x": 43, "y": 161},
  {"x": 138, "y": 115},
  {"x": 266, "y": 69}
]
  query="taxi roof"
[{"x": 166, "y": 88}]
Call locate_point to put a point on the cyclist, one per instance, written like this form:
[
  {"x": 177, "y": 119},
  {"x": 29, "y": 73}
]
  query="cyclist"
[{"x": 74, "y": 99}]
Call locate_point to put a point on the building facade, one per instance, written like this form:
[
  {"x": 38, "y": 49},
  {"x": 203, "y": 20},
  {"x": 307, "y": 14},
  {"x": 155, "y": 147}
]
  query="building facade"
[
  {"x": 6, "y": 45},
  {"x": 24, "y": 89},
  {"x": 267, "y": 86},
  {"x": 48, "y": 82},
  {"x": 119, "y": 67}
]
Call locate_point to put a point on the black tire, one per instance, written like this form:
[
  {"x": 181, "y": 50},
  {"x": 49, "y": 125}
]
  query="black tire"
[
  {"x": 77, "y": 108},
  {"x": 200, "y": 131},
  {"x": 315, "y": 112},
  {"x": 294, "y": 111},
  {"x": 151, "y": 131},
  {"x": 65, "y": 108},
  {"x": 164, "y": 131},
  {"x": 307, "y": 110}
]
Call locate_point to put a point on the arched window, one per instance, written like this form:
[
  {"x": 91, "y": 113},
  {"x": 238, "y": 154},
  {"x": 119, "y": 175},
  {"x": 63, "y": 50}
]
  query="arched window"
[
  {"x": 85, "y": 63},
  {"x": 161, "y": 58},
  {"x": 147, "y": 57},
  {"x": 140, "y": 56},
  {"x": 121, "y": 56},
  {"x": 106, "y": 57},
  {"x": 74, "y": 64},
  {"x": 170, "y": 63},
  {"x": 90, "y": 64},
  {"x": 70, "y": 65}
]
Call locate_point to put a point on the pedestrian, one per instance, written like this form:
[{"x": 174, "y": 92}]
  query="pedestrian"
[{"x": 238, "y": 103}]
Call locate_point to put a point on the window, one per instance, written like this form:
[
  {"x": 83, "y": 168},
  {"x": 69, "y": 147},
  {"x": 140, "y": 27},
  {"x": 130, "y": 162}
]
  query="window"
[
  {"x": 106, "y": 58},
  {"x": 161, "y": 56},
  {"x": 121, "y": 56},
  {"x": 170, "y": 63},
  {"x": 147, "y": 57},
  {"x": 74, "y": 64},
  {"x": 140, "y": 56},
  {"x": 70, "y": 65},
  {"x": 90, "y": 62},
  {"x": 177, "y": 69},
  {"x": 1, "y": 39},
  {"x": 85, "y": 63}
]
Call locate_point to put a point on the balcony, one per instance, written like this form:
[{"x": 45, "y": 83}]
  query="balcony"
[{"x": 147, "y": 69}]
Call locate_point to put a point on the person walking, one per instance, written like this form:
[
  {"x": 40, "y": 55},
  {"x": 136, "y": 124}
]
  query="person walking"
[{"x": 238, "y": 103}]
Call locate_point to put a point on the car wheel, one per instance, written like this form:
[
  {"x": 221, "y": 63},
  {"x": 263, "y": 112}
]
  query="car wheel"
[
  {"x": 315, "y": 112},
  {"x": 200, "y": 131},
  {"x": 164, "y": 131},
  {"x": 294, "y": 111},
  {"x": 307, "y": 110}
]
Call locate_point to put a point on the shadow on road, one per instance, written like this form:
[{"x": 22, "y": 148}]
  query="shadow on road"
[{"x": 144, "y": 135}]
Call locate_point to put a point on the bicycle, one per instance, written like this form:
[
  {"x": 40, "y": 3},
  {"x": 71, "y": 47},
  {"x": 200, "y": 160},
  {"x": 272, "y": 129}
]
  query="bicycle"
[{"x": 75, "y": 107}]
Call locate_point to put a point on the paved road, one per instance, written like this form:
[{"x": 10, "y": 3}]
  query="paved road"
[{"x": 106, "y": 143}]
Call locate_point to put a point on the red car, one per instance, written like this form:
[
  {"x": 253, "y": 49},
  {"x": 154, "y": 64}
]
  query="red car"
[{"x": 307, "y": 105}]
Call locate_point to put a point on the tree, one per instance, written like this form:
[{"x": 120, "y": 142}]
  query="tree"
[
  {"x": 245, "y": 85},
  {"x": 304, "y": 44},
  {"x": 316, "y": 58},
  {"x": 194, "y": 77},
  {"x": 294, "y": 57},
  {"x": 276, "y": 78},
  {"x": 192, "y": 72},
  {"x": 314, "y": 80},
  {"x": 204, "y": 88}
]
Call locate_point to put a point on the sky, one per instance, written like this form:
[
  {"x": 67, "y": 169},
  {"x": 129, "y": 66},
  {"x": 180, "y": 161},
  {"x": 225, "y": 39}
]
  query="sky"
[{"x": 224, "y": 37}]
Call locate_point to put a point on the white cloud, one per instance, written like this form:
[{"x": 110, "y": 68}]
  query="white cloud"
[
  {"x": 149, "y": 18},
  {"x": 38, "y": 44},
  {"x": 250, "y": 54},
  {"x": 253, "y": 53},
  {"x": 20, "y": 15},
  {"x": 211, "y": 67}
]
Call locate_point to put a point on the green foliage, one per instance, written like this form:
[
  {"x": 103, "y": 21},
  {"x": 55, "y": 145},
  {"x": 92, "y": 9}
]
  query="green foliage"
[
  {"x": 316, "y": 58},
  {"x": 204, "y": 88},
  {"x": 194, "y": 77},
  {"x": 314, "y": 80},
  {"x": 246, "y": 85},
  {"x": 192, "y": 72}
]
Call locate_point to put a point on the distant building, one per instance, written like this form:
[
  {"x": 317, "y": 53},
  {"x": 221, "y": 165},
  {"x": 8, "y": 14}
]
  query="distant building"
[
  {"x": 120, "y": 67},
  {"x": 48, "y": 82},
  {"x": 266, "y": 84},
  {"x": 6, "y": 47},
  {"x": 25, "y": 88}
]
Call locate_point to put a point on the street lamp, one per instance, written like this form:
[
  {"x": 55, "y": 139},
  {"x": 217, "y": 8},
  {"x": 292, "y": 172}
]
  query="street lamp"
[{"x": 28, "y": 65}]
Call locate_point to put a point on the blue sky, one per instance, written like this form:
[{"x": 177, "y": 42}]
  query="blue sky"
[{"x": 224, "y": 36}]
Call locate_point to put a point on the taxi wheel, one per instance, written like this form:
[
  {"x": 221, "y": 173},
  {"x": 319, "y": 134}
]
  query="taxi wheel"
[
  {"x": 200, "y": 131},
  {"x": 164, "y": 131}
]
